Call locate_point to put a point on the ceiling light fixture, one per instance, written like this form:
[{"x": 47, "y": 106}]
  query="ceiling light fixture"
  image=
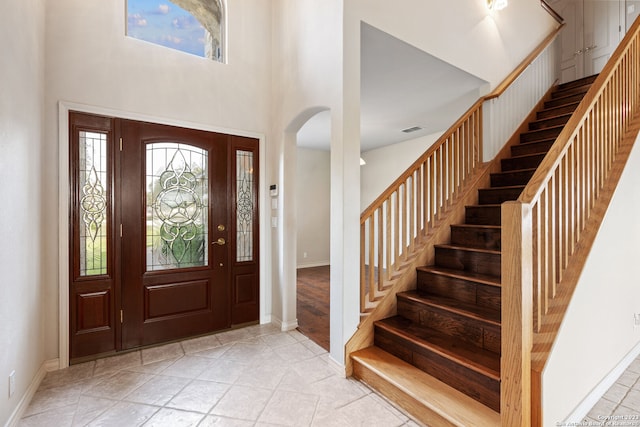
[{"x": 496, "y": 4}]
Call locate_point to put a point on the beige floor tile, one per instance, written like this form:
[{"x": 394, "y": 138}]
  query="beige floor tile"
[
  {"x": 69, "y": 375},
  {"x": 245, "y": 403},
  {"x": 224, "y": 371},
  {"x": 59, "y": 417},
  {"x": 115, "y": 363},
  {"x": 153, "y": 367},
  {"x": 90, "y": 408},
  {"x": 294, "y": 352},
  {"x": 314, "y": 369},
  {"x": 54, "y": 398},
  {"x": 628, "y": 378},
  {"x": 603, "y": 408},
  {"x": 199, "y": 396},
  {"x": 369, "y": 412},
  {"x": 616, "y": 393},
  {"x": 213, "y": 353},
  {"x": 278, "y": 340},
  {"x": 160, "y": 353},
  {"x": 338, "y": 391},
  {"x": 118, "y": 385},
  {"x": 215, "y": 421},
  {"x": 266, "y": 375},
  {"x": 635, "y": 366},
  {"x": 289, "y": 409},
  {"x": 249, "y": 352},
  {"x": 188, "y": 367},
  {"x": 158, "y": 390},
  {"x": 166, "y": 417},
  {"x": 124, "y": 413},
  {"x": 235, "y": 335},
  {"x": 201, "y": 343},
  {"x": 632, "y": 400}
]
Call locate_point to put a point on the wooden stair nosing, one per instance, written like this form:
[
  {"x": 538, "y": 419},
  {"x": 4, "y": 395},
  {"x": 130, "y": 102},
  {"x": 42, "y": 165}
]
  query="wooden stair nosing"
[
  {"x": 483, "y": 279},
  {"x": 475, "y": 359},
  {"x": 471, "y": 311},
  {"x": 417, "y": 391},
  {"x": 548, "y": 122},
  {"x": 467, "y": 249},
  {"x": 580, "y": 82},
  {"x": 554, "y": 111}
]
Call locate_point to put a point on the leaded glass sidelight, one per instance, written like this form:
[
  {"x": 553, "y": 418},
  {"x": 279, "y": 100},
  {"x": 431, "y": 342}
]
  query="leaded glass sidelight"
[
  {"x": 244, "y": 205},
  {"x": 93, "y": 203},
  {"x": 176, "y": 206}
]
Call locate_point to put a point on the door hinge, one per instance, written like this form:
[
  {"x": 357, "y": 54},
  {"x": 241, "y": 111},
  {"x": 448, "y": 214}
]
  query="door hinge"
[
  {"x": 120, "y": 230},
  {"x": 120, "y": 144},
  {"x": 121, "y": 316}
]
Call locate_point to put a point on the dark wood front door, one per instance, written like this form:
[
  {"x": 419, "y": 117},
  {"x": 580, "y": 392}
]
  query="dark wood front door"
[{"x": 181, "y": 245}]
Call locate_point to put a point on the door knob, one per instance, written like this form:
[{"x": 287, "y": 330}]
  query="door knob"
[{"x": 220, "y": 242}]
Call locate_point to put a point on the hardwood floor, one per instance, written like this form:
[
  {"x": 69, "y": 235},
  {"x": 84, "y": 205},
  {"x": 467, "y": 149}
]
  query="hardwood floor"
[{"x": 313, "y": 304}]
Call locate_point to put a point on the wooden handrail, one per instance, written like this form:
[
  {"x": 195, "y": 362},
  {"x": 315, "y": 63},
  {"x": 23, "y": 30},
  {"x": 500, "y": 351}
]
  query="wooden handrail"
[
  {"x": 559, "y": 200},
  {"x": 508, "y": 81},
  {"x": 395, "y": 222},
  {"x": 546, "y": 6}
]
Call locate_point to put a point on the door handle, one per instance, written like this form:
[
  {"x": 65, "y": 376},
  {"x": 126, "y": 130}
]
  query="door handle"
[
  {"x": 578, "y": 52},
  {"x": 220, "y": 242},
  {"x": 587, "y": 49}
]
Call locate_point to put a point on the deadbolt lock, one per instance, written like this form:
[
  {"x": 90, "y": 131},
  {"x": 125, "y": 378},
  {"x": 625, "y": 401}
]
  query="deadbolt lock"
[{"x": 221, "y": 227}]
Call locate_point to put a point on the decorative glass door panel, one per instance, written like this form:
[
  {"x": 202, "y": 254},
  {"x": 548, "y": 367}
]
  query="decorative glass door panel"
[
  {"x": 93, "y": 274},
  {"x": 165, "y": 233},
  {"x": 94, "y": 191},
  {"x": 176, "y": 206}
]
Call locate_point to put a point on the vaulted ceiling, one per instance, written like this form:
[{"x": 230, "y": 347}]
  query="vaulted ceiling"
[{"x": 401, "y": 87}]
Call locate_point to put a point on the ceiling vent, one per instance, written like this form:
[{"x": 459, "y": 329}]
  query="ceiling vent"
[{"x": 412, "y": 129}]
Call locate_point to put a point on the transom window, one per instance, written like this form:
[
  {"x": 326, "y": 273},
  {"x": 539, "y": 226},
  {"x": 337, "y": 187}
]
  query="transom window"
[{"x": 192, "y": 26}]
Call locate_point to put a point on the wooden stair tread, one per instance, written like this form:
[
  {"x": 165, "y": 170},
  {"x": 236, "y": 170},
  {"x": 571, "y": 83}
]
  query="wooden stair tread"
[
  {"x": 451, "y": 305},
  {"x": 483, "y": 226},
  {"x": 470, "y": 356},
  {"x": 504, "y": 187},
  {"x": 579, "y": 82},
  {"x": 417, "y": 391},
  {"x": 484, "y": 279},
  {"x": 468, "y": 249}
]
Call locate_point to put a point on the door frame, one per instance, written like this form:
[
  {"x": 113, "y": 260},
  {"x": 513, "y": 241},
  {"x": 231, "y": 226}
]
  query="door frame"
[{"x": 64, "y": 209}]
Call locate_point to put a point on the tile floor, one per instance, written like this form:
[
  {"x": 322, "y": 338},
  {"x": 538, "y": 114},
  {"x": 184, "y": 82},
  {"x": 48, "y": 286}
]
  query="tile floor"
[
  {"x": 621, "y": 403},
  {"x": 256, "y": 376}
]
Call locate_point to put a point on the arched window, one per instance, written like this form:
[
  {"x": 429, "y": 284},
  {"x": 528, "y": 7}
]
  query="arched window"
[{"x": 192, "y": 26}]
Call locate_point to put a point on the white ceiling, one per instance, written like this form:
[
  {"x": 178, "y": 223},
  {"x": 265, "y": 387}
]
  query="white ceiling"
[{"x": 401, "y": 87}]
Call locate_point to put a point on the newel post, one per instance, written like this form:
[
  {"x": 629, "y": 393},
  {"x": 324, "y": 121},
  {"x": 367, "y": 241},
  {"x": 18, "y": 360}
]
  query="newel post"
[{"x": 517, "y": 314}]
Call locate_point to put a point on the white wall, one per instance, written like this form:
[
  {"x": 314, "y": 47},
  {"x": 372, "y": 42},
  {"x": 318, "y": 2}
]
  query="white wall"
[
  {"x": 598, "y": 330},
  {"x": 22, "y": 253},
  {"x": 90, "y": 61},
  {"x": 308, "y": 79},
  {"x": 386, "y": 164},
  {"x": 465, "y": 34},
  {"x": 313, "y": 200}
]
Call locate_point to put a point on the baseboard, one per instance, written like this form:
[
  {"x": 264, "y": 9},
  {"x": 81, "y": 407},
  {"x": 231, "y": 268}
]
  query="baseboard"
[
  {"x": 313, "y": 264},
  {"x": 284, "y": 326},
  {"x": 578, "y": 415},
  {"x": 47, "y": 366},
  {"x": 339, "y": 368}
]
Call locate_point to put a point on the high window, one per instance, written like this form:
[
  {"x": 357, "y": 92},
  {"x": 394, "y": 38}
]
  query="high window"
[{"x": 192, "y": 26}]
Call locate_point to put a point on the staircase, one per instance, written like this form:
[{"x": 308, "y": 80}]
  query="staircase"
[{"x": 443, "y": 347}]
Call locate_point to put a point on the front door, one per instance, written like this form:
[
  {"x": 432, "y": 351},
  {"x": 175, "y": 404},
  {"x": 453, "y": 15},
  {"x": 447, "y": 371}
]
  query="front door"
[{"x": 180, "y": 251}]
